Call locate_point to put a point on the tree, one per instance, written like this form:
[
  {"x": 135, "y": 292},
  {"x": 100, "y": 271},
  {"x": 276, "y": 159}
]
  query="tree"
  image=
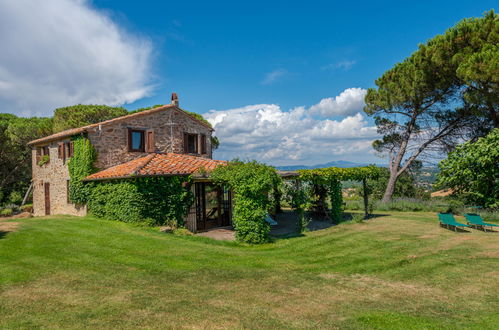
[
  {"x": 82, "y": 115},
  {"x": 472, "y": 170},
  {"x": 405, "y": 186},
  {"x": 15, "y": 155},
  {"x": 431, "y": 100}
]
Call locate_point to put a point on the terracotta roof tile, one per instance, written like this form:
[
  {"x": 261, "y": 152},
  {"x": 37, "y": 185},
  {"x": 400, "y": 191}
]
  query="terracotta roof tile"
[
  {"x": 158, "y": 164},
  {"x": 74, "y": 131}
]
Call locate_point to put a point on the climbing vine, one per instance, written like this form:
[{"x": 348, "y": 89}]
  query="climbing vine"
[
  {"x": 80, "y": 165},
  {"x": 328, "y": 181},
  {"x": 251, "y": 182},
  {"x": 150, "y": 201}
]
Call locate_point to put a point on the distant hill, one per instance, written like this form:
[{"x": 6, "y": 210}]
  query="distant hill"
[{"x": 335, "y": 163}]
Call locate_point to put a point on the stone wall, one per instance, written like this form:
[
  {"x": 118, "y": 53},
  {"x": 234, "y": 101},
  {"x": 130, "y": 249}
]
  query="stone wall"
[
  {"x": 111, "y": 144},
  {"x": 56, "y": 173},
  {"x": 111, "y": 141}
]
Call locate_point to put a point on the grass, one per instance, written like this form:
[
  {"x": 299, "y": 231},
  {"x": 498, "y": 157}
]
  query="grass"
[{"x": 395, "y": 271}]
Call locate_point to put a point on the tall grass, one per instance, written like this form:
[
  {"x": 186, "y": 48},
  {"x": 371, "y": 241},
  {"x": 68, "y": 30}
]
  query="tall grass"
[{"x": 419, "y": 205}]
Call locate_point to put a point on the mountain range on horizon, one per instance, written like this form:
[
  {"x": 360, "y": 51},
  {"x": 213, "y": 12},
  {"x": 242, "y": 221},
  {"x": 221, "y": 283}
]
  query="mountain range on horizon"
[{"x": 334, "y": 163}]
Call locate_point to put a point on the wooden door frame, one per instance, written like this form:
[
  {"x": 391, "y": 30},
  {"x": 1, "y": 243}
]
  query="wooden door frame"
[
  {"x": 200, "y": 200},
  {"x": 46, "y": 194}
]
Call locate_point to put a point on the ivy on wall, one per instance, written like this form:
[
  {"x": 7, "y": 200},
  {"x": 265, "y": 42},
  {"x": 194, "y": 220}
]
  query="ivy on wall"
[
  {"x": 252, "y": 183},
  {"x": 81, "y": 165},
  {"x": 146, "y": 200},
  {"x": 151, "y": 201}
]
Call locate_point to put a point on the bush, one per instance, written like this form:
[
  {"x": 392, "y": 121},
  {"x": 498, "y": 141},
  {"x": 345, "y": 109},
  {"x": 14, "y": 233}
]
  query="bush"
[
  {"x": 357, "y": 218},
  {"x": 182, "y": 232},
  {"x": 6, "y": 212},
  {"x": 148, "y": 201},
  {"x": 251, "y": 182},
  {"x": 27, "y": 208},
  {"x": 15, "y": 197}
]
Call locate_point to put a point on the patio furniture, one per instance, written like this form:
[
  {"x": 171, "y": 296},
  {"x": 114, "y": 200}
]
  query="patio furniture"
[
  {"x": 477, "y": 221},
  {"x": 447, "y": 220}
]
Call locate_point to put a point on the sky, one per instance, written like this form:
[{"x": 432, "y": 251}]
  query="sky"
[{"x": 281, "y": 82}]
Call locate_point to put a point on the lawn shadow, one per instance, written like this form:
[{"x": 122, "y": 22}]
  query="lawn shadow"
[
  {"x": 3, "y": 233},
  {"x": 348, "y": 216},
  {"x": 456, "y": 229},
  {"x": 486, "y": 230}
]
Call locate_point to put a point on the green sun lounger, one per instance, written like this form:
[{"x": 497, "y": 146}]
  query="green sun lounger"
[
  {"x": 447, "y": 220},
  {"x": 476, "y": 220}
]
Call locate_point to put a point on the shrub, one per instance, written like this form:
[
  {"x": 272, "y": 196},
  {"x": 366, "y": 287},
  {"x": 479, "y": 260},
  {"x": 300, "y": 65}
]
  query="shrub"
[
  {"x": 27, "y": 208},
  {"x": 15, "y": 197},
  {"x": 6, "y": 212},
  {"x": 357, "y": 218},
  {"x": 182, "y": 232},
  {"x": 251, "y": 182},
  {"x": 148, "y": 201}
]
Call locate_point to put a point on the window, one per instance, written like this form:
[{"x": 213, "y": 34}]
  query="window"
[
  {"x": 190, "y": 143},
  {"x": 136, "y": 140}
]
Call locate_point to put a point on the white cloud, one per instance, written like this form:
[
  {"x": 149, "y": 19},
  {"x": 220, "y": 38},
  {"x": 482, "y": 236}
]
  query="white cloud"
[
  {"x": 273, "y": 76},
  {"x": 63, "y": 52},
  {"x": 344, "y": 65},
  {"x": 267, "y": 133},
  {"x": 349, "y": 102}
]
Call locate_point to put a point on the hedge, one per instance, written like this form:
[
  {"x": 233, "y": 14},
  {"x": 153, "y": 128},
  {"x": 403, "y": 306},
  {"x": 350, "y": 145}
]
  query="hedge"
[{"x": 146, "y": 200}]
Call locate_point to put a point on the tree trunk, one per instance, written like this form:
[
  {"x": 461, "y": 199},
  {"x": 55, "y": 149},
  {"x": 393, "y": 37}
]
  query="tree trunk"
[
  {"x": 366, "y": 199},
  {"x": 390, "y": 187}
]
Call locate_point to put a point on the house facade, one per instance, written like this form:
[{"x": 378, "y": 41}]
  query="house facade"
[{"x": 161, "y": 141}]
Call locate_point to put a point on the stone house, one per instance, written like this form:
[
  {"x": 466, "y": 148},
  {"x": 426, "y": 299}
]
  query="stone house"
[{"x": 162, "y": 141}]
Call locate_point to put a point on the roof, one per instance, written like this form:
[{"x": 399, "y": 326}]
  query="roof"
[
  {"x": 157, "y": 164},
  {"x": 79, "y": 130}
]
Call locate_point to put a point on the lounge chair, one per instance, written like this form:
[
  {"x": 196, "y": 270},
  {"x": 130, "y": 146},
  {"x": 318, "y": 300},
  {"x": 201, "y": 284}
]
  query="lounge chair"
[
  {"x": 447, "y": 220},
  {"x": 476, "y": 220}
]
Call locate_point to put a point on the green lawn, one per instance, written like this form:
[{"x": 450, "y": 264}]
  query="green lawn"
[{"x": 396, "y": 271}]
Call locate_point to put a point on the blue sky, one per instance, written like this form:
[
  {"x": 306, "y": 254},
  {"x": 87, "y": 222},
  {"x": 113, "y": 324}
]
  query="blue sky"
[{"x": 282, "y": 83}]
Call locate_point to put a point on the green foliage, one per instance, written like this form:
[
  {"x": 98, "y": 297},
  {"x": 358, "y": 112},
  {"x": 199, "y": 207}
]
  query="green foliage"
[
  {"x": 447, "y": 89},
  {"x": 336, "y": 200},
  {"x": 43, "y": 160},
  {"x": 215, "y": 142},
  {"x": 82, "y": 115},
  {"x": 404, "y": 187},
  {"x": 6, "y": 212},
  {"x": 297, "y": 195},
  {"x": 80, "y": 166},
  {"x": 328, "y": 181},
  {"x": 251, "y": 183},
  {"x": 145, "y": 108},
  {"x": 15, "y": 165},
  {"x": 148, "y": 200},
  {"x": 15, "y": 197},
  {"x": 472, "y": 170},
  {"x": 199, "y": 117},
  {"x": 26, "y": 208}
]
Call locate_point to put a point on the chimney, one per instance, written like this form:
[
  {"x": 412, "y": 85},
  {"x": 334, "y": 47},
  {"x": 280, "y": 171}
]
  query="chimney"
[{"x": 174, "y": 99}]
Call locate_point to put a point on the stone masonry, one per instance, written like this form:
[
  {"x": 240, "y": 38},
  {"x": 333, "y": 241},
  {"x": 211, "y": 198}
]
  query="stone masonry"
[{"x": 110, "y": 140}]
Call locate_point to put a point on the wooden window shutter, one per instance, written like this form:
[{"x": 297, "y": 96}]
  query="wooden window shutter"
[
  {"x": 71, "y": 148},
  {"x": 129, "y": 139},
  {"x": 150, "y": 146},
  {"x": 203, "y": 144},
  {"x": 38, "y": 154},
  {"x": 60, "y": 150},
  {"x": 186, "y": 143}
]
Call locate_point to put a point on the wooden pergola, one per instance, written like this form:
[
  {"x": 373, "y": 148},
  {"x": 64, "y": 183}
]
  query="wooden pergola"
[{"x": 324, "y": 175}]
